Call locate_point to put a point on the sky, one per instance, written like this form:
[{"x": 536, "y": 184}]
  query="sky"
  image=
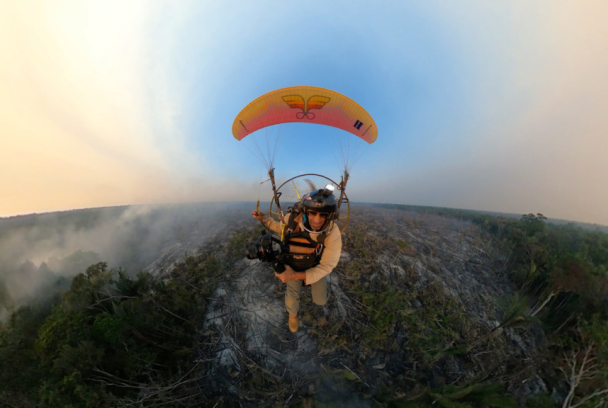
[{"x": 496, "y": 106}]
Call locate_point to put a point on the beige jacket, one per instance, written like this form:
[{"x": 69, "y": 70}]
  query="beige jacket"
[{"x": 331, "y": 252}]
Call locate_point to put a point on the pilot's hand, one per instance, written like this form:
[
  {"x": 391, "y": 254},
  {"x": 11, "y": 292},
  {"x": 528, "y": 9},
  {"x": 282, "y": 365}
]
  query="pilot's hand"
[
  {"x": 258, "y": 216},
  {"x": 286, "y": 276}
]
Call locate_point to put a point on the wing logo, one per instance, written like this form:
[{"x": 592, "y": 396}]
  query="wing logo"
[{"x": 298, "y": 102}]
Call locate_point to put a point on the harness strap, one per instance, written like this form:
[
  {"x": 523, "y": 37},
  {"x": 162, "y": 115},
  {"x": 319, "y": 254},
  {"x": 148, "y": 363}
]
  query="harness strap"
[
  {"x": 293, "y": 226},
  {"x": 304, "y": 252}
]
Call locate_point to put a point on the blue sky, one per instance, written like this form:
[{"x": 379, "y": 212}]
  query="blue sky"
[{"x": 489, "y": 106}]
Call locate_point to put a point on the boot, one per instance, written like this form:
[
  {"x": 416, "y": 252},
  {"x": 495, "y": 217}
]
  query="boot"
[
  {"x": 323, "y": 315},
  {"x": 293, "y": 323}
]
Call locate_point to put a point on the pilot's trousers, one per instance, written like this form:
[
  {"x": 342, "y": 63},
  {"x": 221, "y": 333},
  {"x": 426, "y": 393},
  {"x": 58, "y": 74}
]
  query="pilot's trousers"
[{"x": 294, "y": 288}]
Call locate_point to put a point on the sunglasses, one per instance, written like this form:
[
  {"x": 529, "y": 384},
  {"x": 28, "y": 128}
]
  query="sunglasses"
[{"x": 312, "y": 213}]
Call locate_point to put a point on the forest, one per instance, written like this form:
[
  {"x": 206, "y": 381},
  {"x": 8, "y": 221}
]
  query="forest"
[{"x": 113, "y": 338}]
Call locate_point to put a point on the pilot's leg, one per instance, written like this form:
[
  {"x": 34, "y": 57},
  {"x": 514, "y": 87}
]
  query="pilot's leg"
[
  {"x": 319, "y": 292},
  {"x": 292, "y": 303}
]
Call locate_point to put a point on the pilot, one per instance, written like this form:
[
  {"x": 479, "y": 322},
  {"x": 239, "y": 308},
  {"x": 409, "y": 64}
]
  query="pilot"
[{"x": 315, "y": 244}]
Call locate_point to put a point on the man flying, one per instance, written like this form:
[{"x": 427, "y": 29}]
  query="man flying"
[{"x": 315, "y": 244}]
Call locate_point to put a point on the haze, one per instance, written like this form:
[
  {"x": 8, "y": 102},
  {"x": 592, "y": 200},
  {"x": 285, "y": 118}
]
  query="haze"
[
  {"x": 37, "y": 250},
  {"x": 479, "y": 105}
]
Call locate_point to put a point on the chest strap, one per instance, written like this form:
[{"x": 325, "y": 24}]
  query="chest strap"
[{"x": 293, "y": 227}]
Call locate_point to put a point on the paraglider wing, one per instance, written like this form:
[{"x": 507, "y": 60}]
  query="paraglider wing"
[{"x": 295, "y": 104}]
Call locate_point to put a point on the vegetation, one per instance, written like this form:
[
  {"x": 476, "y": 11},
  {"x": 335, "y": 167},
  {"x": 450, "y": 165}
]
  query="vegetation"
[
  {"x": 564, "y": 271},
  {"x": 394, "y": 338},
  {"x": 401, "y": 333},
  {"x": 112, "y": 339}
]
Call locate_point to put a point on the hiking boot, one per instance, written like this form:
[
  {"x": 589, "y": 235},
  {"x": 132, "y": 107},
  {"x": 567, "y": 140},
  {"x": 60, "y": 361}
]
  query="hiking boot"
[
  {"x": 323, "y": 315},
  {"x": 293, "y": 323}
]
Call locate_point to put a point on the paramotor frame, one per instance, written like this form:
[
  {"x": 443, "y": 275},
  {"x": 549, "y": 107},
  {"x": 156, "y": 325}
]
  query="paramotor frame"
[{"x": 289, "y": 191}]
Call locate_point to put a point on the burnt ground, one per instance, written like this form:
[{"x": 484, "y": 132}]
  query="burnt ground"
[{"x": 416, "y": 303}]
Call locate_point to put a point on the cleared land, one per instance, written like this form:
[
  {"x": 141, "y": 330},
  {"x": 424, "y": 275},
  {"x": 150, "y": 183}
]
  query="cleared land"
[{"x": 416, "y": 303}]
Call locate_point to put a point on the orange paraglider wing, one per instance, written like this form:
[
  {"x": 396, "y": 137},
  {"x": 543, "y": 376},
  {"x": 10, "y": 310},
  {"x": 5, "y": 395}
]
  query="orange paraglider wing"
[{"x": 293, "y": 104}]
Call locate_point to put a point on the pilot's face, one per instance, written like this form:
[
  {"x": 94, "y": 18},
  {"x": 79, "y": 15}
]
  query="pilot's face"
[{"x": 316, "y": 219}]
